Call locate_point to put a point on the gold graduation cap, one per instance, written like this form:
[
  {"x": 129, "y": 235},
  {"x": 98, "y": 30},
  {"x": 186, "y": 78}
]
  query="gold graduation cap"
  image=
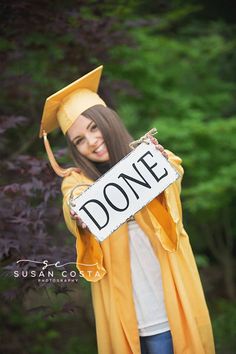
[{"x": 63, "y": 107}]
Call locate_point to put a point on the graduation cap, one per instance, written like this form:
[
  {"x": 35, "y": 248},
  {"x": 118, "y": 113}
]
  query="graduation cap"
[{"x": 63, "y": 107}]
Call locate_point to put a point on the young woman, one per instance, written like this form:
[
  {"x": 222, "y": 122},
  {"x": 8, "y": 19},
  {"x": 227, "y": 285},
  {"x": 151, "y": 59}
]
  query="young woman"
[{"x": 146, "y": 291}]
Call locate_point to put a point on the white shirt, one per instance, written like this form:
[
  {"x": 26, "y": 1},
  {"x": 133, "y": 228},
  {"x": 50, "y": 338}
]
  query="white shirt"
[{"x": 147, "y": 284}]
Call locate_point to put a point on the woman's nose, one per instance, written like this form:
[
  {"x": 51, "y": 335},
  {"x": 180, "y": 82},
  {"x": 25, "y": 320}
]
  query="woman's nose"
[{"x": 92, "y": 140}]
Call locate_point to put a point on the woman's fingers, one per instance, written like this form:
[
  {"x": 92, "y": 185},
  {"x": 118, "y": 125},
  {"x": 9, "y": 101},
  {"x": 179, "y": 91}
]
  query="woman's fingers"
[
  {"x": 153, "y": 140},
  {"x": 76, "y": 217},
  {"x": 158, "y": 146},
  {"x": 83, "y": 225},
  {"x": 72, "y": 214},
  {"x": 165, "y": 155}
]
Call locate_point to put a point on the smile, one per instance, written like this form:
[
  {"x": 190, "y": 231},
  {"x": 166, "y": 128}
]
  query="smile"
[{"x": 100, "y": 149}]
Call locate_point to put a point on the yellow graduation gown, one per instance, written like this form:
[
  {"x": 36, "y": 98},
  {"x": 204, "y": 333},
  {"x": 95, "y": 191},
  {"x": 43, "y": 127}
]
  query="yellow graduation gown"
[{"x": 107, "y": 266}]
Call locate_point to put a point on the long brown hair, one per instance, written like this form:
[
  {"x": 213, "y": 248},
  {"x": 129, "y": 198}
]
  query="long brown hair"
[{"x": 115, "y": 135}]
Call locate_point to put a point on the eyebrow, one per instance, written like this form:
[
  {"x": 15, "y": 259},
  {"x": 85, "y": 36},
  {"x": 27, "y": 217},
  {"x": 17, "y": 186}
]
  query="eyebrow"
[{"x": 78, "y": 136}]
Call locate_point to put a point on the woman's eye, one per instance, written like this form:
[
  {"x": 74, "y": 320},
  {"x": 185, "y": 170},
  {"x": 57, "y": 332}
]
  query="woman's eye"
[
  {"x": 94, "y": 127},
  {"x": 78, "y": 141}
]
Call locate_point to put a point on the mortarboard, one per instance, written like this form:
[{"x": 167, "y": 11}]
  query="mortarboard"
[{"x": 63, "y": 107}]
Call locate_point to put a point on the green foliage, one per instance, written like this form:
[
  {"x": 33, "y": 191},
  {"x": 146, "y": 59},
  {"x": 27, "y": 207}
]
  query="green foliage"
[
  {"x": 224, "y": 324},
  {"x": 57, "y": 323},
  {"x": 18, "y": 326},
  {"x": 208, "y": 149},
  {"x": 180, "y": 87},
  {"x": 176, "y": 78},
  {"x": 202, "y": 260},
  {"x": 62, "y": 334}
]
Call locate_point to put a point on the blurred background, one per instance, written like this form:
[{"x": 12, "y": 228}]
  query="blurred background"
[{"x": 167, "y": 64}]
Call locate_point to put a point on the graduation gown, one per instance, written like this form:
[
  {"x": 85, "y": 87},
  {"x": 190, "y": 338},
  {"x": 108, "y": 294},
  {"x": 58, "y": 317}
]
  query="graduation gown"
[{"x": 107, "y": 266}]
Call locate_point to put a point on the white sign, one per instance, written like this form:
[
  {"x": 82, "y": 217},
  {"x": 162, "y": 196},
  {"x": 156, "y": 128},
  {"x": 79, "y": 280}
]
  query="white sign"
[{"x": 125, "y": 189}]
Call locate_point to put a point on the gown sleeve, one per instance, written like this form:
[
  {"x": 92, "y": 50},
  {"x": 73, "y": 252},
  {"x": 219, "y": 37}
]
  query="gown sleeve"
[
  {"x": 89, "y": 260},
  {"x": 167, "y": 210},
  {"x": 172, "y": 193},
  {"x": 176, "y": 162}
]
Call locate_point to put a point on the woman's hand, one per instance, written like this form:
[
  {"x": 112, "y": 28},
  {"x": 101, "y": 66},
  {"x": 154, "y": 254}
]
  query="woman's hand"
[
  {"x": 158, "y": 146},
  {"x": 76, "y": 217}
]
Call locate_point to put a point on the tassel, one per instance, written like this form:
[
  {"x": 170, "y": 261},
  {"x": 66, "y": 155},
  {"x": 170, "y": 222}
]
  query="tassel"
[{"x": 57, "y": 169}]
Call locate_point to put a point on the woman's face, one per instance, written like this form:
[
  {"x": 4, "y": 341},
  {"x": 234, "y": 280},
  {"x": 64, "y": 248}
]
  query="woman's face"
[{"x": 88, "y": 139}]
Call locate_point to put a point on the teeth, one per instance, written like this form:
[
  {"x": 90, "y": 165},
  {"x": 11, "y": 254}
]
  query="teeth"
[{"x": 100, "y": 148}]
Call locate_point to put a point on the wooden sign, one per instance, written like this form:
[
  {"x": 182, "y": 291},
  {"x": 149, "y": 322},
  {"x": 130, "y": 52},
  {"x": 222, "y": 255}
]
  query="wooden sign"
[{"x": 125, "y": 189}]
